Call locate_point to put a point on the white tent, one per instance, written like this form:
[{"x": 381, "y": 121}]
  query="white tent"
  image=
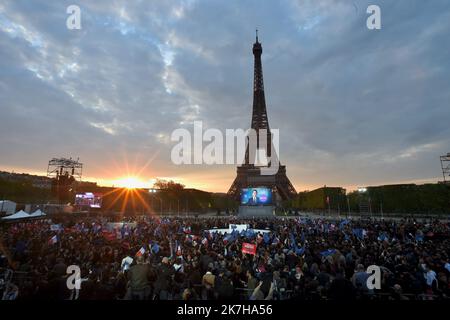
[
  {"x": 7, "y": 207},
  {"x": 19, "y": 215},
  {"x": 37, "y": 213}
]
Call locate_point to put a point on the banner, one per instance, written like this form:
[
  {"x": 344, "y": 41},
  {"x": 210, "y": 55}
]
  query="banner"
[
  {"x": 249, "y": 248},
  {"x": 56, "y": 227},
  {"x": 126, "y": 263}
]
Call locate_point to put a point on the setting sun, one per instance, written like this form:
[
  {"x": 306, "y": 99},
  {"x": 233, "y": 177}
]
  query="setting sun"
[{"x": 130, "y": 183}]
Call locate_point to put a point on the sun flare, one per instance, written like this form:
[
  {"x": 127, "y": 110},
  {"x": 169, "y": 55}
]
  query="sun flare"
[{"x": 130, "y": 183}]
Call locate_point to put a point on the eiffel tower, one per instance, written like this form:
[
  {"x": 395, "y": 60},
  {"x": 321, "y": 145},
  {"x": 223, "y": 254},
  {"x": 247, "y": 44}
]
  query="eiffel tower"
[{"x": 249, "y": 174}]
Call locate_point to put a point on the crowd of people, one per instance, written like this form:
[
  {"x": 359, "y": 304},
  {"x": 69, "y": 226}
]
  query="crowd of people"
[{"x": 182, "y": 258}]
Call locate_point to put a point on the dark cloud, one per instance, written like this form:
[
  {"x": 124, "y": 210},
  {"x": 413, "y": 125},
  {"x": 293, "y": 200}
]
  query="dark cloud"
[{"x": 354, "y": 106}]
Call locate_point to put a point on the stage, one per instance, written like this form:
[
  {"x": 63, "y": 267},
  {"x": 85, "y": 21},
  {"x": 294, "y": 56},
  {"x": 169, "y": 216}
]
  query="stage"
[{"x": 237, "y": 227}]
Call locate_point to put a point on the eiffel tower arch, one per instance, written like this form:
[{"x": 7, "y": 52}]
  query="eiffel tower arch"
[{"x": 249, "y": 173}]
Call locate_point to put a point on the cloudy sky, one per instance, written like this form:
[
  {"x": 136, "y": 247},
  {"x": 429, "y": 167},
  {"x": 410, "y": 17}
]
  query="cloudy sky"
[{"x": 355, "y": 107}]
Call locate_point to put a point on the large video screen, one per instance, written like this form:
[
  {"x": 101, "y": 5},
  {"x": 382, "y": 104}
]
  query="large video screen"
[
  {"x": 256, "y": 196},
  {"x": 89, "y": 199}
]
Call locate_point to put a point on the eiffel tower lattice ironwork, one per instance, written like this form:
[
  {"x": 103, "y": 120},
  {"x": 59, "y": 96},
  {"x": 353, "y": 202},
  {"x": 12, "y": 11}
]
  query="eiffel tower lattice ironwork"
[{"x": 249, "y": 174}]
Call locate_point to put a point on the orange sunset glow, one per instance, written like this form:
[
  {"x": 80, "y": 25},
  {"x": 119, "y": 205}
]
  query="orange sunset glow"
[{"x": 130, "y": 182}]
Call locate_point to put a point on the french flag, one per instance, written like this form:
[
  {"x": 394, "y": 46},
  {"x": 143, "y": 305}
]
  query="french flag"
[
  {"x": 141, "y": 252},
  {"x": 53, "y": 239},
  {"x": 178, "y": 249}
]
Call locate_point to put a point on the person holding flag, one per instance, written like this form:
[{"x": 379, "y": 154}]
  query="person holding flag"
[{"x": 139, "y": 278}]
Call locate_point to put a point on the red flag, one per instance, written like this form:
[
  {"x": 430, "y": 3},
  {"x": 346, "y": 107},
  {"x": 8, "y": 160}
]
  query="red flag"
[{"x": 249, "y": 248}]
